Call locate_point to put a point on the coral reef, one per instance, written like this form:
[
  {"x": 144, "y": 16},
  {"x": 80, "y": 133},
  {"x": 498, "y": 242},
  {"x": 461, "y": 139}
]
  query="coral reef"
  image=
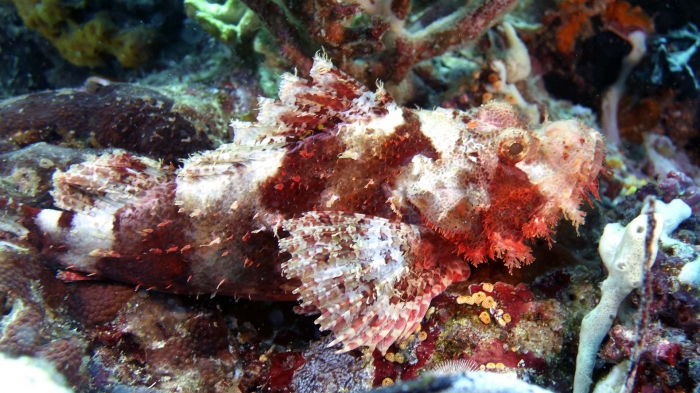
[
  {"x": 132, "y": 338},
  {"x": 333, "y": 239},
  {"x": 376, "y": 40},
  {"x": 89, "y": 41},
  {"x": 431, "y": 197}
]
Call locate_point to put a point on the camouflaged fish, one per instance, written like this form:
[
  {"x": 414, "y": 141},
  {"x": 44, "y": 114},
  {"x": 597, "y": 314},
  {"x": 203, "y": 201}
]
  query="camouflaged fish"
[{"x": 338, "y": 197}]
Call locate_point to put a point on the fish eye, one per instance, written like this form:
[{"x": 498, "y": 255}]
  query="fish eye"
[
  {"x": 515, "y": 149},
  {"x": 514, "y": 145}
]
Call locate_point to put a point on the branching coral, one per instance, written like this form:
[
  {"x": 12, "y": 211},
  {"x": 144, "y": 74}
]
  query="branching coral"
[
  {"x": 373, "y": 40},
  {"x": 627, "y": 253}
]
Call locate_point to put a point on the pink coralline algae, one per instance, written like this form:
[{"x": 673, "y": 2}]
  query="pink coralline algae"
[{"x": 337, "y": 196}]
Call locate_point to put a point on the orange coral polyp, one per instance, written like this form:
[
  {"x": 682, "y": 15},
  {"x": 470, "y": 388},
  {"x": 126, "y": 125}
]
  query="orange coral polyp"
[
  {"x": 622, "y": 18},
  {"x": 619, "y": 16},
  {"x": 569, "y": 32}
]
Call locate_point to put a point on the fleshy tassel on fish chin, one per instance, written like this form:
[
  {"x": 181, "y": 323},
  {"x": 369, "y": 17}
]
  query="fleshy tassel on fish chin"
[{"x": 371, "y": 279}]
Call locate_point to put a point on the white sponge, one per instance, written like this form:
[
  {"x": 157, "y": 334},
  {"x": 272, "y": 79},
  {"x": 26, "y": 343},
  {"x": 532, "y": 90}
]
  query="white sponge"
[
  {"x": 31, "y": 375},
  {"x": 627, "y": 254}
]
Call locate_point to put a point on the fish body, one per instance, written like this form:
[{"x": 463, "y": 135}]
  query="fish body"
[{"x": 337, "y": 196}]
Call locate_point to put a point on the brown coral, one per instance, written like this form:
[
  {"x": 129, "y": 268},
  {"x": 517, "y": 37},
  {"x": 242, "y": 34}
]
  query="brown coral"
[
  {"x": 170, "y": 342},
  {"x": 96, "y": 302},
  {"x": 28, "y": 303},
  {"x": 140, "y": 119},
  {"x": 67, "y": 356}
]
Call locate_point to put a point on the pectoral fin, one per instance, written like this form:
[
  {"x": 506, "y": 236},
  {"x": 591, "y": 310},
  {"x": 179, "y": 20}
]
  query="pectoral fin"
[{"x": 372, "y": 279}]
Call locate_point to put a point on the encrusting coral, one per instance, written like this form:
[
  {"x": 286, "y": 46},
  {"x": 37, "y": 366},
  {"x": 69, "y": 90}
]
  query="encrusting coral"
[
  {"x": 380, "y": 207},
  {"x": 103, "y": 114},
  {"x": 230, "y": 22},
  {"x": 89, "y": 44}
]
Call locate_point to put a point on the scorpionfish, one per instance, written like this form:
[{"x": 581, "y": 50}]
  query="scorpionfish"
[{"x": 337, "y": 196}]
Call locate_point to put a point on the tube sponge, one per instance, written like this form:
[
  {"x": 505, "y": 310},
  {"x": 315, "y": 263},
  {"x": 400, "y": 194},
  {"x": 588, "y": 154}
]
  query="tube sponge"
[{"x": 627, "y": 254}]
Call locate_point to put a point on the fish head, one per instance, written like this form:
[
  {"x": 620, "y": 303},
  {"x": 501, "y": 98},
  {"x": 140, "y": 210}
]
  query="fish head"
[
  {"x": 498, "y": 182},
  {"x": 565, "y": 167}
]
